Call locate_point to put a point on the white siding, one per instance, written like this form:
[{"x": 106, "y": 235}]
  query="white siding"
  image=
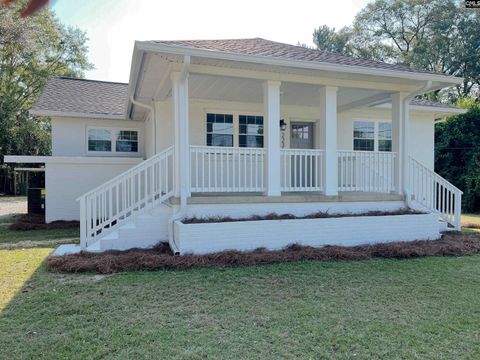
[
  {"x": 421, "y": 134},
  {"x": 69, "y": 135},
  {"x": 66, "y": 182}
]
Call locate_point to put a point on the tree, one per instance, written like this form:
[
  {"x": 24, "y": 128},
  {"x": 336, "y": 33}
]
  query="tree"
[
  {"x": 436, "y": 35},
  {"x": 31, "y": 51},
  {"x": 327, "y": 39},
  {"x": 457, "y": 152}
]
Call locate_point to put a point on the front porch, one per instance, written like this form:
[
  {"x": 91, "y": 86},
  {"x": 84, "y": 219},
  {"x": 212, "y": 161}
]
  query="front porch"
[{"x": 229, "y": 170}]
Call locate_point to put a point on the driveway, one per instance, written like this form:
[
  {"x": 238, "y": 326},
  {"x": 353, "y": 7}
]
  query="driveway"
[{"x": 12, "y": 205}]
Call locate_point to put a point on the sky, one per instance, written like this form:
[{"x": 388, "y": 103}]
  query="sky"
[{"x": 112, "y": 26}]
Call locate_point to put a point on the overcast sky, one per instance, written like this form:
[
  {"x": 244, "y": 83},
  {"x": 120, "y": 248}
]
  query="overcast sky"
[{"x": 113, "y": 25}]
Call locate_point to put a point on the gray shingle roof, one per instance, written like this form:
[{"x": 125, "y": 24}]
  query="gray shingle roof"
[
  {"x": 83, "y": 96},
  {"x": 423, "y": 102},
  {"x": 263, "y": 47},
  {"x": 91, "y": 97}
]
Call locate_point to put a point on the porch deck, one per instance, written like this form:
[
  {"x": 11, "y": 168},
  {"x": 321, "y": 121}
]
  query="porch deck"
[{"x": 290, "y": 197}]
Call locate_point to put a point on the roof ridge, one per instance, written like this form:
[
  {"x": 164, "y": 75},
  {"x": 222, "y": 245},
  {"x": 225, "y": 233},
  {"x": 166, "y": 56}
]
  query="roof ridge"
[{"x": 90, "y": 80}]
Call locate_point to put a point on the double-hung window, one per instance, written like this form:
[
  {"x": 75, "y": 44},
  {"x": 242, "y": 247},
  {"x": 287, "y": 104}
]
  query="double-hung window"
[
  {"x": 250, "y": 131},
  {"x": 219, "y": 130},
  {"x": 364, "y": 135},
  {"x": 112, "y": 140},
  {"x": 372, "y": 136},
  {"x": 100, "y": 140},
  {"x": 384, "y": 136}
]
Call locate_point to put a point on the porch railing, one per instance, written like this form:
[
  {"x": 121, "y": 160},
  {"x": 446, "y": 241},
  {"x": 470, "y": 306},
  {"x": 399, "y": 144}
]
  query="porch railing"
[
  {"x": 121, "y": 198},
  {"x": 301, "y": 170},
  {"x": 226, "y": 169},
  {"x": 434, "y": 193},
  {"x": 367, "y": 171}
]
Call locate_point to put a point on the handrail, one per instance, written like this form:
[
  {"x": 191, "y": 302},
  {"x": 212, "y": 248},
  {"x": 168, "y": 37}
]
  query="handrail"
[
  {"x": 433, "y": 192},
  {"x": 105, "y": 207},
  {"x": 130, "y": 170}
]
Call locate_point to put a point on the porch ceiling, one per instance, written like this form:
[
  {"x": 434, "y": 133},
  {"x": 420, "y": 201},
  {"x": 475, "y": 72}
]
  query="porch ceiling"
[{"x": 155, "y": 83}]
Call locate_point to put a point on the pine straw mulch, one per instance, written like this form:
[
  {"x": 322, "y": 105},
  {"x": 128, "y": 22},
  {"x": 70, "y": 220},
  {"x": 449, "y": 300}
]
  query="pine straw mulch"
[
  {"x": 37, "y": 222},
  {"x": 451, "y": 244},
  {"x": 315, "y": 215}
]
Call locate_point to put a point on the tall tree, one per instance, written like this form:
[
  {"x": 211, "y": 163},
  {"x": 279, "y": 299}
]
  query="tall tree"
[
  {"x": 437, "y": 35},
  {"x": 32, "y": 50}
]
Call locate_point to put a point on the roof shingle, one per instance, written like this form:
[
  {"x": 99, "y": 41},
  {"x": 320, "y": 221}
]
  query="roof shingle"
[
  {"x": 92, "y": 97},
  {"x": 268, "y": 48}
]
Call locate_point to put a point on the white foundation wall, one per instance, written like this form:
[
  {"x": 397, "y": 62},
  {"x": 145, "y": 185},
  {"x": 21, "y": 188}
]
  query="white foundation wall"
[
  {"x": 276, "y": 234},
  {"x": 65, "y": 182},
  {"x": 421, "y": 134},
  {"x": 69, "y": 135}
]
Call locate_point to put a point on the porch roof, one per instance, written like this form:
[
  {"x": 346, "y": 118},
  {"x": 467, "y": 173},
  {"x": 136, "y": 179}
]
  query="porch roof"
[
  {"x": 268, "y": 48},
  {"x": 99, "y": 99}
]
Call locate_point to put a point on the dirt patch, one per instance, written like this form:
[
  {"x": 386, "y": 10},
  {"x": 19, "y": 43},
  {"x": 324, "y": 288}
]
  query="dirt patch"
[
  {"x": 275, "y": 216},
  {"x": 37, "y": 222},
  {"x": 451, "y": 244}
]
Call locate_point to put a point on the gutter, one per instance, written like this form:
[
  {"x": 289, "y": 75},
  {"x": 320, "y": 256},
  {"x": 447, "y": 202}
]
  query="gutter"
[
  {"x": 154, "y": 119},
  {"x": 182, "y": 211}
]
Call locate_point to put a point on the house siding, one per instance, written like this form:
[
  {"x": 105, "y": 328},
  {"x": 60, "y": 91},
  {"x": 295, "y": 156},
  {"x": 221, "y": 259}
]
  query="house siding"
[{"x": 69, "y": 135}]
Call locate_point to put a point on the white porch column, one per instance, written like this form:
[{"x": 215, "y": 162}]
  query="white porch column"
[
  {"x": 181, "y": 137},
  {"x": 271, "y": 102},
  {"x": 327, "y": 134},
  {"x": 400, "y": 121}
]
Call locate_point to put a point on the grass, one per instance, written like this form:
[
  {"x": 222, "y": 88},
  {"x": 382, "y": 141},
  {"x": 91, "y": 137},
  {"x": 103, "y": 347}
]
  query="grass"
[
  {"x": 471, "y": 222},
  {"x": 11, "y": 239},
  {"x": 424, "y": 308}
]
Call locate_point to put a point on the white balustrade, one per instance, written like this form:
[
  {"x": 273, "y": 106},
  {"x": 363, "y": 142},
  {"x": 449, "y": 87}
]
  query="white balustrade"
[
  {"x": 368, "y": 171},
  {"x": 301, "y": 170},
  {"x": 434, "y": 193},
  {"x": 121, "y": 198},
  {"x": 227, "y": 169}
]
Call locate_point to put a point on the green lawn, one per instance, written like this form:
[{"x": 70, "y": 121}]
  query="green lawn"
[
  {"x": 426, "y": 308},
  {"x": 15, "y": 239}
]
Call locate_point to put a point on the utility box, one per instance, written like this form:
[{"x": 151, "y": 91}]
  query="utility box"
[{"x": 36, "y": 201}]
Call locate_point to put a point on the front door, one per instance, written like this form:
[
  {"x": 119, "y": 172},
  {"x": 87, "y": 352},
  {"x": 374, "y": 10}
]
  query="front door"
[
  {"x": 301, "y": 135},
  {"x": 303, "y": 168}
]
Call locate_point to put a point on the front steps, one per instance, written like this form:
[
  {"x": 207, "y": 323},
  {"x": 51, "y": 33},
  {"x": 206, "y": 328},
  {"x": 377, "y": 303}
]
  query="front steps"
[{"x": 143, "y": 231}]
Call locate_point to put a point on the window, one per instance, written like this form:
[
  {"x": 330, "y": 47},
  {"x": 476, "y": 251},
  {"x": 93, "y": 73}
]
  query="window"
[
  {"x": 250, "y": 131},
  {"x": 384, "y": 136},
  {"x": 364, "y": 135},
  {"x": 99, "y": 140},
  {"x": 102, "y": 140},
  {"x": 127, "y": 141},
  {"x": 219, "y": 130}
]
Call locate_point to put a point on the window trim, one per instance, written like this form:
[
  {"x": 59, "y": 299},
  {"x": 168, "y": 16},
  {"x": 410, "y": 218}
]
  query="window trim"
[
  {"x": 376, "y": 139},
  {"x": 113, "y": 130}
]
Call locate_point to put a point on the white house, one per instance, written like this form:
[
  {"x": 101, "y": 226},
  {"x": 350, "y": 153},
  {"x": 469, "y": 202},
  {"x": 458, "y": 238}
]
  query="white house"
[{"x": 239, "y": 128}]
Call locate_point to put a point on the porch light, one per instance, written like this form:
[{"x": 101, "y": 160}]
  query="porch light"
[{"x": 283, "y": 125}]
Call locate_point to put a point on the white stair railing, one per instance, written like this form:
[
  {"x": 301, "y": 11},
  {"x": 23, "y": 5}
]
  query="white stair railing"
[
  {"x": 301, "y": 169},
  {"x": 369, "y": 171},
  {"x": 434, "y": 193},
  {"x": 143, "y": 186},
  {"x": 226, "y": 169}
]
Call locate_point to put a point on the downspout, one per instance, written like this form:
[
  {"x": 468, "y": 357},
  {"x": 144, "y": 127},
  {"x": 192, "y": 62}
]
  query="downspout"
[
  {"x": 154, "y": 120},
  {"x": 406, "y": 101},
  {"x": 182, "y": 211}
]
